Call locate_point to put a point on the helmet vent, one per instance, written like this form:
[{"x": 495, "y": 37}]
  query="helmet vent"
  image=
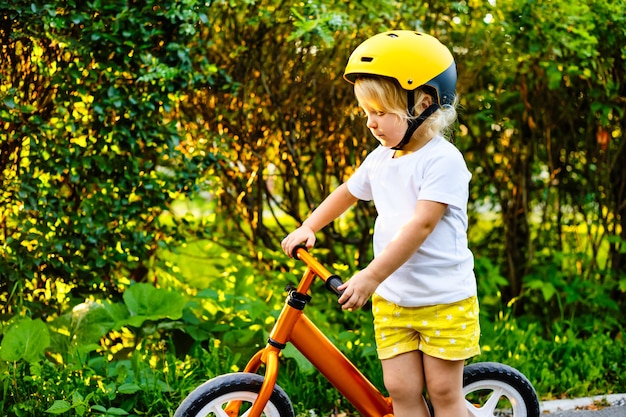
[{"x": 366, "y": 59}]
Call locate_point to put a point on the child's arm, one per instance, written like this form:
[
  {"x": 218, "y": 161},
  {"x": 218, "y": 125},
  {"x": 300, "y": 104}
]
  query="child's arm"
[
  {"x": 414, "y": 232},
  {"x": 332, "y": 207}
]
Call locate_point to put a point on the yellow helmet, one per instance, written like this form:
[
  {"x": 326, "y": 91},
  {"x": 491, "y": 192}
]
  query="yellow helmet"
[{"x": 412, "y": 58}]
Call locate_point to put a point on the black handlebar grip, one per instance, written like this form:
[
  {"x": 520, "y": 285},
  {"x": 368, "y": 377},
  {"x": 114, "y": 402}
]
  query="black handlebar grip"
[
  {"x": 294, "y": 252},
  {"x": 332, "y": 283}
]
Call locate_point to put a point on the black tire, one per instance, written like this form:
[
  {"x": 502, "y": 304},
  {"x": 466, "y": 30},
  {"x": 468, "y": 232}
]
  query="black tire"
[
  {"x": 209, "y": 398},
  {"x": 495, "y": 389}
]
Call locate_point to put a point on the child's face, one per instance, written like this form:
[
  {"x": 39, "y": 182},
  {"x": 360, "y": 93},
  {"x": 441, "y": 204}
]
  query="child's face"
[{"x": 388, "y": 128}]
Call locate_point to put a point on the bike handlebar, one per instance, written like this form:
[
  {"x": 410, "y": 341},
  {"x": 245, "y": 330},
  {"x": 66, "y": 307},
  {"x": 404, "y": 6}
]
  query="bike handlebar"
[
  {"x": 331, "y": 281},
  {"x": 296, "y": 250}
]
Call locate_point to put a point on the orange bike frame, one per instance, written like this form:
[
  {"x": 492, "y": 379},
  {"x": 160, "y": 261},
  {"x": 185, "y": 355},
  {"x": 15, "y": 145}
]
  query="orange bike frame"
[{"x": 293, "y": 326}]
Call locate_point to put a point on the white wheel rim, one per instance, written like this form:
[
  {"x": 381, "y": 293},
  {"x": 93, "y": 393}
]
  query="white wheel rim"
[
  {"x": 496, "y": 390},
  {"x": 215, "y": 407}
]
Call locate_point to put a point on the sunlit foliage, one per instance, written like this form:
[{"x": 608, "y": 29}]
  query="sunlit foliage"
[{"x": 169, "y": 146}]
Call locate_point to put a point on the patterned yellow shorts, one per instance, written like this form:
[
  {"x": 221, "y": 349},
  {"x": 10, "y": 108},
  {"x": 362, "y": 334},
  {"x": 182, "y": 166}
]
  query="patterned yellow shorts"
[{"x": 446, "y": 331}]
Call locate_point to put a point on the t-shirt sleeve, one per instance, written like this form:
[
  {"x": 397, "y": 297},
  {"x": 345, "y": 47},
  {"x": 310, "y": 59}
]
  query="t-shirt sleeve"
[
  {"x": 446, "y": 180},
  {"x": 359, "y": 183}
]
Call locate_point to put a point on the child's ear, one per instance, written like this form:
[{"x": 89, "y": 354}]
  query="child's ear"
[{"x": 427, "y": 101}]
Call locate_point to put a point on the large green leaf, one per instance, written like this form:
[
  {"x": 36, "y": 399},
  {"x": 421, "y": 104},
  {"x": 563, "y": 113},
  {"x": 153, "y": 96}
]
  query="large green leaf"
[
  {"x": 303, "y": 363},
  {"x": 59, "y": 407},
  {"x": 146, "y": 302},
  {"x": 92, "y": 320},
  {"x": 26, "y": 340}
]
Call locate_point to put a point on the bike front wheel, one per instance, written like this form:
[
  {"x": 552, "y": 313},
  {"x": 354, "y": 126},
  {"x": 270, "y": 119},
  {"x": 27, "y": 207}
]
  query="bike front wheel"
[
  {"x": 238, "y": 390},
  {"x": 497, "y": 390}
]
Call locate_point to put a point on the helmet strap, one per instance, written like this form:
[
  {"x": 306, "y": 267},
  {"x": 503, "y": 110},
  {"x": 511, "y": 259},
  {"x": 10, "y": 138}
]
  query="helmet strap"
[{"x": 414, "y": 123}]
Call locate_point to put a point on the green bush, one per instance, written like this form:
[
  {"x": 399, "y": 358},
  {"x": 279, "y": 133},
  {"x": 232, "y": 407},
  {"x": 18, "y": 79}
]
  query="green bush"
[
  {"x": 144, "y": 354},
  {"x": 562, "y": 361}
]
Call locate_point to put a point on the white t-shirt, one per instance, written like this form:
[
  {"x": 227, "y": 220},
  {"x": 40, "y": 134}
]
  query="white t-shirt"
[{"x": 442, "y": 270}]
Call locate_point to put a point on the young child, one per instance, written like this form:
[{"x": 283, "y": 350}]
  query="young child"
[{"x": 421, "y": 279}]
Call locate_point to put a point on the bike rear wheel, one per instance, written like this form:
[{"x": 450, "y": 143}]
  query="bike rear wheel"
[
  {"x": 212, "y": 397},
  {"x": 497, "y": 390}
]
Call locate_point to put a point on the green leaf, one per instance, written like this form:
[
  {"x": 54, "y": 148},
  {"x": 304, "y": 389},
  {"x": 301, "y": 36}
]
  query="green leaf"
[
  {"x": 146, "y": 302},
  {"x": 92, "y": 320},
  {"x": 547, "y": 288},
  {"x": 80, "y": 409},
  {"x": 303, "y": 363},
  {"x": 9, "y": 102},
  {"x": 128, "y": 388},
  {"x": 27, "y": 339},
  {"x": 114, "y": 411},
  {"x": 59, "y": 407}
]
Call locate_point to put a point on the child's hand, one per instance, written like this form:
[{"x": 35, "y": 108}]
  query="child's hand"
[
  {"x": 357, "y": 290},
  {"x": 303, "y": 234}
]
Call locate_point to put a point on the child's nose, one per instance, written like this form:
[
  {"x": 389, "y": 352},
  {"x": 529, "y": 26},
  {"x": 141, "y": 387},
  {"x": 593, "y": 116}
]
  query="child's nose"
[{"x": 371, "y": 122}]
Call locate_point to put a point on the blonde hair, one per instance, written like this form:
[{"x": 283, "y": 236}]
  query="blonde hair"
[{"x": 386, "y": 95}]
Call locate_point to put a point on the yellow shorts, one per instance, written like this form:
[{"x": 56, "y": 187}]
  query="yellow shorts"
[{"x": 445, "y": 331}]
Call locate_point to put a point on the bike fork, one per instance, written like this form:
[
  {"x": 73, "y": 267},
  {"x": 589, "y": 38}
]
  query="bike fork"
[{"x": 339, "y": 371}]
